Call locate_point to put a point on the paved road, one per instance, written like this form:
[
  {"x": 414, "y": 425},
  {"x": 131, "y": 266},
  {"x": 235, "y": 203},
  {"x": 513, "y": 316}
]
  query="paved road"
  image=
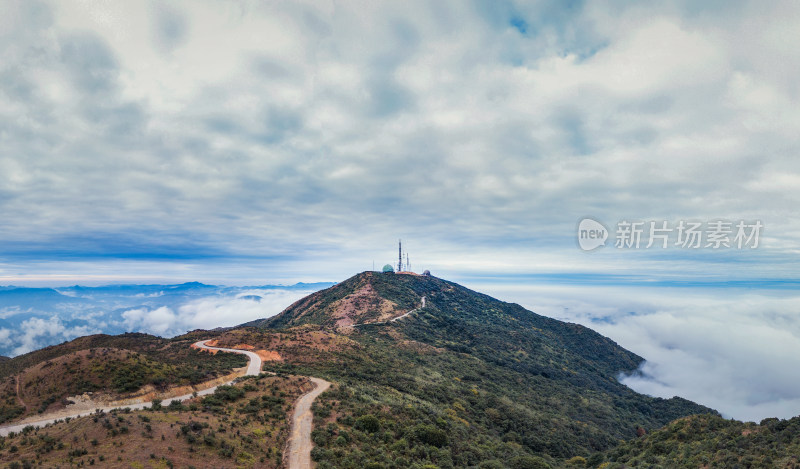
[
  {"x": 253, "y": 368},
  {"x": 300, "y": 440}
]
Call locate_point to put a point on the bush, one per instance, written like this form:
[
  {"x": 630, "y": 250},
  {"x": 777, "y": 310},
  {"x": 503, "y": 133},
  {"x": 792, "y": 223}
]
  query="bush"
[
  {"x": 493, "y": 464},
  {"x": 175, "y": 406},
  {"x": 577, "y": 461},
  {"x": 368, "y": 423},
  {"x": 529, "y": 462},
  {"x": 430, "y": 435}
]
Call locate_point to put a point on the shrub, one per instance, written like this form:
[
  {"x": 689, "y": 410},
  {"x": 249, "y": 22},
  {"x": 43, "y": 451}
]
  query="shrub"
[
  {"x": 368, "y": 423},
  {"x": 430, "y": 435},
  {"x": 529, "y": 462}
]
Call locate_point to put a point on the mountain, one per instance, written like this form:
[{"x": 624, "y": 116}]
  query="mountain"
[
  {"x": 427, "y": 374},
  {"x": 483, "y": 379}
]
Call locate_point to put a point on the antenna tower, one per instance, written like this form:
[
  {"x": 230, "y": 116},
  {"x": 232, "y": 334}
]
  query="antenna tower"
[{"x": 399, "y": 255}]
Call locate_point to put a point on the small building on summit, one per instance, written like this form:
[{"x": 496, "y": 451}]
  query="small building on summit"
[
  {"x": 388, "y": 268},
  {"x": 426, "y": 273}
]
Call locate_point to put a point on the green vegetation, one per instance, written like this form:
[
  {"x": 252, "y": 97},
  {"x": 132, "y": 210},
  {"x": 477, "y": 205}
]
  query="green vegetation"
[
  {"x": 711, "y": 441},
  {"x": 121, "y": 364},
  {"x": 467, "y": 381},
  {"x": 247, "y": 429}
]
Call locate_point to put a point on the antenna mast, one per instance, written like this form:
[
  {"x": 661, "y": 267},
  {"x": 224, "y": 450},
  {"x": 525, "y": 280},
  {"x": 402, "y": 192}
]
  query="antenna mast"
[{"x": 399, "y": 255}]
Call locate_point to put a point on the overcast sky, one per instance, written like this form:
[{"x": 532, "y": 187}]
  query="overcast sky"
[{"x": 263, "y": 142}]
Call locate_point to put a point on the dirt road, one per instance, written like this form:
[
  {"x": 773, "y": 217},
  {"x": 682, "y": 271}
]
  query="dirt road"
[
  {"x": 253, "y": 368},
  {"x": 300, "y": 445},
  {"x": 390, "y": 320},
  {"x": 412, "y": 311}
]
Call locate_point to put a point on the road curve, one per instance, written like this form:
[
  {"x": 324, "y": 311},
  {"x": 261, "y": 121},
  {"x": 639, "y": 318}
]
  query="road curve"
[
  {"x": 412, "y": 311},
  {"x": 300, "y": 445},
  {"x": 390, "y": 320},
  {"x": 253, "y": 368}
]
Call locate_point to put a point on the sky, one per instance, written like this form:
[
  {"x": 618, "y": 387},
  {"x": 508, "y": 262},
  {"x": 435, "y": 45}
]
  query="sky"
[{"x": 255, "y": 143}]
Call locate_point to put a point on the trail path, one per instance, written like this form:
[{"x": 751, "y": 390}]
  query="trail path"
[
  {"x": 19, "y": 396},
  {"x": 393, "y": 319},
  {"x": 300, "y": 440},
  {"x": 412, "y": 311}
]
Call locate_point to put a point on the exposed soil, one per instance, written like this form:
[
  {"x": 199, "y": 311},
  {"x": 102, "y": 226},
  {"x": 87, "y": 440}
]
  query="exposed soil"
[
  {"x": 354, "y": 307},
  {"x": 301, "y": 345}
]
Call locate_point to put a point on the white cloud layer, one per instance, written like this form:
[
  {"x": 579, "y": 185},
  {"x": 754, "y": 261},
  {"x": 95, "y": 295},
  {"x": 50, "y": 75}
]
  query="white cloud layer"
[
  {"x": 207, "y": 129},
  {"x": 36, "y": 333},
  {"x": 210, "y": 312}
]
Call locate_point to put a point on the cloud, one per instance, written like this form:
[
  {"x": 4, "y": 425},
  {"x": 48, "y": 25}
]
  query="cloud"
[
  {"x": 267, "y": 141},
  {"x": 36, "y": 333},
  {"x": 273, "y": 128},
  {"x": 5, "y": 335},
  {"x": 157, "y": 321},
  {"x": 210, "y": 312},
  {"x": 170, "y": 27}
]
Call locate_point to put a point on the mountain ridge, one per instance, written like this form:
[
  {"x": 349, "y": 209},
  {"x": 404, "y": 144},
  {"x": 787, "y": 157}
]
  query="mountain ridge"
[{"x": 492, "y": 371}]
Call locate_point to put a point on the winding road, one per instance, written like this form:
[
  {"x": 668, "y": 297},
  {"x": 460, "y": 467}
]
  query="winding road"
[
  {"x": 393, "y": 319},
  {"x": 412, "y": 311},
  {"x": 299, "y": 443}
]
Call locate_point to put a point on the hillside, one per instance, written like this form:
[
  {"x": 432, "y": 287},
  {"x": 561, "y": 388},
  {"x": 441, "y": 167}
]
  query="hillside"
[
  {"x": 106, "y": 366},
  {"x": 244, "y": 425},
  {"x": 465, "y": 380},
  {"x": 711, "y": 441},
  {"x": 353, "y": 301}
]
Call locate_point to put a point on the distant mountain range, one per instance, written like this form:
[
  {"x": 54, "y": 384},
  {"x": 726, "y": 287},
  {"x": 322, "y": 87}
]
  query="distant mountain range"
[{"x": 32, "y": 318}]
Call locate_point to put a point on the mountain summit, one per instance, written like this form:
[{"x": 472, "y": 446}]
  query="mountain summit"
[
  {"x": 369, "y": 297},
  {"x": 458, "y": 319},
  {"x": 487, "y": 372}
]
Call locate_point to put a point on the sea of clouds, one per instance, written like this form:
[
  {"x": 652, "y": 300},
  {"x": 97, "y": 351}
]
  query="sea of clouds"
[
  {"x": 732, "y": 350},
  {"x": 32, "y": 318}
]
